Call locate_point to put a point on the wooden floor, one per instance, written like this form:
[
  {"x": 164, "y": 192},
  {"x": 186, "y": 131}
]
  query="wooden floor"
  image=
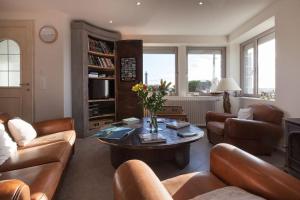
[{"x": 89, "y": 174}]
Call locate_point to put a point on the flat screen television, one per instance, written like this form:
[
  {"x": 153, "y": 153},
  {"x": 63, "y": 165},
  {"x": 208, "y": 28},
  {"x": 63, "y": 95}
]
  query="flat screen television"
[{"x": 99, "y": 89}]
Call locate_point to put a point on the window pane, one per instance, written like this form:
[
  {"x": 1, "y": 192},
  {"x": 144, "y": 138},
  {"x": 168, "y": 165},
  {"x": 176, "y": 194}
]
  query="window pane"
[
  {"x": 9, "y": 64},
  {"x": 204, "y": 70},
  {"x": 3, "y": 47},
  {"x": 3, "y": 79},
  {"x": 249, "y": 69},
  {"x": 266, "y": 66},
  {"x": 3, "y": 63},
  {"x": 14, "y": 63},
  {"x": 13, "y": 47},
  {"x": 159, "y": 66},
  {"x": 14, "y": 79}
]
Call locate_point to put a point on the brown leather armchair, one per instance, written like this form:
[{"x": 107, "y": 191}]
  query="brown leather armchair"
[
  {"x": 229, "y": 166},
  {"x": 258, "y": 136}
]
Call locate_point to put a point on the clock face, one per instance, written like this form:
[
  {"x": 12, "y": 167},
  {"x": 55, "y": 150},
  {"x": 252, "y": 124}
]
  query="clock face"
[{"x": 48, "y": 34}]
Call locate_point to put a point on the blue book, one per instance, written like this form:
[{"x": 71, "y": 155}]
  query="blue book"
[{"x": 114, "y": 133}]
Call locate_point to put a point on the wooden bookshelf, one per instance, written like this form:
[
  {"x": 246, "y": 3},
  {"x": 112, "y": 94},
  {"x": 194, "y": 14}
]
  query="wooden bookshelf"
[
  {"x": 103, "y": 116},
  {"x": 101, "y": 100},
  {"x": 101, "y": 54},
  {"x": 93, "y": 99},
  {"x": 110, "y": 69},
  {"x": 103, "y": 78}
]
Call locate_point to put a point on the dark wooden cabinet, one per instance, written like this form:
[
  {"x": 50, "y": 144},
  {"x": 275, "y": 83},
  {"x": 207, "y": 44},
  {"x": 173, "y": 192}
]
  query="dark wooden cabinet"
[{"x": 127, "y": 101}]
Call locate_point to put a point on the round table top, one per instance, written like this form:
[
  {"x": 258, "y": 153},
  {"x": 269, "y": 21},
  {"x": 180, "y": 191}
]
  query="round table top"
[{"x": 132, "y": 141}]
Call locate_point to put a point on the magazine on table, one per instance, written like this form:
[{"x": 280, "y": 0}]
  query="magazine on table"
[
  {"x": 149, "y": 138},
  {"x": 177, "y": 124},
  {"x": 114, "y": 133}
]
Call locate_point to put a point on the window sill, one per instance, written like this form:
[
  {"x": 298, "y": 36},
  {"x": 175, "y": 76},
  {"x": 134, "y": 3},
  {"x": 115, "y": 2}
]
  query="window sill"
[{"x": 257, "y": 99}]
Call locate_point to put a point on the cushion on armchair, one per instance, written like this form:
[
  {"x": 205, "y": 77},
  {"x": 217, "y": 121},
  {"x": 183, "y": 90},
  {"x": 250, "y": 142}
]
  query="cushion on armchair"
[
  {"x": 228, "y": 193},
  {"x": 245, "y": 113}
]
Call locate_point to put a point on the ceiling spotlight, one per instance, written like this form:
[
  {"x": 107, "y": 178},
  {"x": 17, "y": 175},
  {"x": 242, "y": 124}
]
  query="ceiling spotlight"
[
  {"x": 200, "y": 3},
  {"x": 138, "y": 3},
  {"x": 110, "y": 21}
]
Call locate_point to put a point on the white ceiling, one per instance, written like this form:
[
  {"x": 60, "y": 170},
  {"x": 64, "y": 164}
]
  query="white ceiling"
[{"x": 153, "y": 17}]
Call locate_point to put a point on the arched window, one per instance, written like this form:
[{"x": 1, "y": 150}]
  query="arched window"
[{"x": 10, "y": 65}]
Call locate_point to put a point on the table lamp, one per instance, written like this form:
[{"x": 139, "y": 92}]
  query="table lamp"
[{"x": 226, "y": 85}]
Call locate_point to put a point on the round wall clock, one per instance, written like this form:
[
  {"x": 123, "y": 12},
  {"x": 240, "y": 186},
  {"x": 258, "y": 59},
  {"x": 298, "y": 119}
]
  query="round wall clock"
[{"x": 48, "y": 34}]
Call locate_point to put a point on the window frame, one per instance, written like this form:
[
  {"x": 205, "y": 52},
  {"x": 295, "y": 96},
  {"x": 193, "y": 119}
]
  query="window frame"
[
  {"x": 255, "y": 42},
  {"x": 223, "y": 61},
  {"x": 165, "y": 50},
  {"x": 20, "y": 62}
]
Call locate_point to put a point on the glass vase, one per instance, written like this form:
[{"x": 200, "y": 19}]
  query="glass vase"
[{"x": 153, "y": 123}]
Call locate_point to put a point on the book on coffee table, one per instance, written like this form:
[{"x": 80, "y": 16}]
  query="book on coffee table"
[
  {"x": 114, "y": 133},
  {"x": 149, "y": 138},
  {"x": 177, "y": 124}
]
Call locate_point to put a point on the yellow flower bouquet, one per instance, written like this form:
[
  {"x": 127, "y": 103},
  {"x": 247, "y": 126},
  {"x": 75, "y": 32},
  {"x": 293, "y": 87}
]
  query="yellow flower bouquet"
[{"x": 152, "y": 98}]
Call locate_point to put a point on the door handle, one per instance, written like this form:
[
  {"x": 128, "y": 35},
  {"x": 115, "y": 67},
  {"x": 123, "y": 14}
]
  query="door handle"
[{"x": 24, "y": 84}]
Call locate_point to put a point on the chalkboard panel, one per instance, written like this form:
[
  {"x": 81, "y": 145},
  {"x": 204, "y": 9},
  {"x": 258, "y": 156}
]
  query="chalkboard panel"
[{"x": 128, "y": 69}]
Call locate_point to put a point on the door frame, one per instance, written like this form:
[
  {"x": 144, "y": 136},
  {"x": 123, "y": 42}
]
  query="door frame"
[{"x": 28, "y": 25}]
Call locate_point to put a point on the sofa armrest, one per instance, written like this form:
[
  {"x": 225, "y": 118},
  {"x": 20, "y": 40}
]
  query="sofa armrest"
[
  {"x": 135, "y": 180},
  {"x": 251, "y": 129},
  {"x": 54, "y": 126},
  {"x": 14, "y": 189},
  {"x": 239, "y": 168},
  {"x": 218, "y": 117}
]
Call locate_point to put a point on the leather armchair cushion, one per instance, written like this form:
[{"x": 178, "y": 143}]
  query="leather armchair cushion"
[
  {"x": 190, "y": 185},
  {"x": 67, "y": 136},
  {"x": 216, "y": 127},
  {"x": 267, "y": 113},
  {"x": 42, "y": 179},
  {"x": 14, "y": 189},
  {"x": 229, "y": 192},
  {"x": 55, "y": 152}
]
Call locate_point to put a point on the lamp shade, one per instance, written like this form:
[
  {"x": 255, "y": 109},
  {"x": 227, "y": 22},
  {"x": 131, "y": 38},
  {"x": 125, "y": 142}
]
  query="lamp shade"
[{"x": 228, "y": 84}]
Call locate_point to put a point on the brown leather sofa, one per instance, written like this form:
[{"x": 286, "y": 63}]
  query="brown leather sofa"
[
  {"x": 229, "y": 166},
  {"x": 258, "y": 136},
  {"x": 36, "y": 169}
]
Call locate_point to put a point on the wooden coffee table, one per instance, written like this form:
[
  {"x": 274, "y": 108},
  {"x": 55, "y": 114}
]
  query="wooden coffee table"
[{"x": 175, "y": 149}]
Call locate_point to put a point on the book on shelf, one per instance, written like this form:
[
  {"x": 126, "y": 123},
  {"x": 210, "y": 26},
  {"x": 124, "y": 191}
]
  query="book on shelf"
[
  {"x": 149, "y": 138},
  {"x": 177, "y": 124},
  {"x": 99, "y": 46},
  {"x": 114, "y": 133},
  {"x": 101, "y": 62}
]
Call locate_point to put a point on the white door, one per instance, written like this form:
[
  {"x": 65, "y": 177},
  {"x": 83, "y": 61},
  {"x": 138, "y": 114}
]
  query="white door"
[{"x": 16, "y": 68}]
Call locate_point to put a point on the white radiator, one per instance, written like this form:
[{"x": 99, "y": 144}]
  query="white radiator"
[{"x": 194, "y": 107}]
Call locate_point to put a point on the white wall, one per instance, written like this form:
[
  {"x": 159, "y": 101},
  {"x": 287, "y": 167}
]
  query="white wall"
[
  {"x": 52, "y": 81},
  {"x": 287, "y": 30}
]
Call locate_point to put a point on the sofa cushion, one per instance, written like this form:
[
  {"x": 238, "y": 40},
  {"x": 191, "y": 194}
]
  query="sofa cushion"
[
  {"x": 67, "y": 136},
  {"x": 55, "y": 152},
  {"x": 190, "y": 185},
  {"x": 216, "y": 127},
  {"x": 42, "y": 179},
  {"x": 7, "y": 146},
  {"x": 230, "y": 192},
  {"x": 21, "y": 131}
]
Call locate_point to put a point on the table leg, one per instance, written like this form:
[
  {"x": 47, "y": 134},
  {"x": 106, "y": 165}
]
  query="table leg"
[
  {"x": 182, "y": 156},
  {"x": 116, "y": 157}
]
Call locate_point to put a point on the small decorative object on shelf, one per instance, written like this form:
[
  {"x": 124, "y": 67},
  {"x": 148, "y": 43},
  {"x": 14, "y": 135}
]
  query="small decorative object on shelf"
[
  {"x": 152, "y": 98},
  {"x": 268, "y": 95}
]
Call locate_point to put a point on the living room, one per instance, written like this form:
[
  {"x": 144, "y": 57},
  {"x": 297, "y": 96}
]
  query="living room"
[{"x": 223, "y": 59}]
